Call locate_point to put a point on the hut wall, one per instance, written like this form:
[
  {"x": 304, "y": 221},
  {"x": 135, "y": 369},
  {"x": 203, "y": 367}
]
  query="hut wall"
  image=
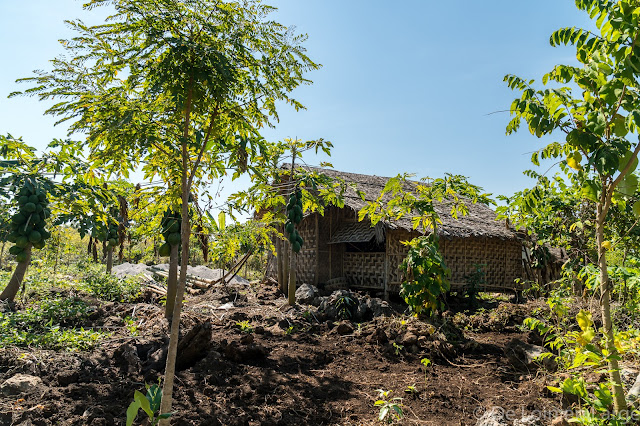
[
  {"x": 501, "y": 259},
  {"x": 307, "y": 257},
  {"x": 365, "y": 269}
]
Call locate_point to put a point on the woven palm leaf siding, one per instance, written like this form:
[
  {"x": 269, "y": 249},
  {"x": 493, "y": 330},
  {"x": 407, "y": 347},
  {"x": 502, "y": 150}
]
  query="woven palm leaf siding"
[{"x": 306, "y": 260}]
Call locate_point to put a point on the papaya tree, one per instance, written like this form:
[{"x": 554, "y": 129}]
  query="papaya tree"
[
  {"x": 20, "y": 174},
  {"x": 597, "y": 115},
  {"x": 147, "y": 87}
]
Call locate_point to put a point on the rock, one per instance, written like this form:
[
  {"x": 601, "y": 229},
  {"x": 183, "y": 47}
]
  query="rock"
[
  {"x": 409, "y": 339},
  {"x": 634, "y": 392},
  {"x": 20, "y": 383},
  {"x": 525, "y": 356},
  {"x": 528, "y": 421},
  {"x": 379, "y": 307},
  {"x": 65, "y": 378},
  {"x": 194, "y": 345},
  {"x": 344, "y": 328},
  {"x": 127, "y": 354},
  {"x": 492, "y": 417},
  {"x": 378, "y": 337},
  {"x": 422, "y": 341},
  {"x": 247, "y": 339},
  {"x": 306, "y": 293},
  {"x": 560, "y": 421}
]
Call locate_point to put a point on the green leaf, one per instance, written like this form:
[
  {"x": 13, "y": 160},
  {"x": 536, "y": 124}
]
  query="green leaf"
[
  {"x": 584, "y": 320},
  {"x": 144, "y": 403},
  {"x": 589, "y": 191},
  {"x": 132, "y": 412}
]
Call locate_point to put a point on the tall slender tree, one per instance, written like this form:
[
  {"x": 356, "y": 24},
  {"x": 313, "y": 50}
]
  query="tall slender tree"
[{"x": 185, "y": 82}]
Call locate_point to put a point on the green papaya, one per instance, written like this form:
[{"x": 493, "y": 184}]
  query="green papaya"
[
  {"x": 45, "y": 234},
  {"x": 293, "y": 237},
  {"x": 29, "y": 207},
  {"x": 174, "y": 226},
  {"x": 300, "y": 240},
  {"x": 23, "y": 200},
  {"x": 34, "y": 199},
  {"x": 289, "y": 227},
  {"x": 295, "y": 247},
  {"x": 174, "y": 239},
  {"x": 42, "y": 197},
  {"x": 165, "y": 250},
  {"x": 39, "y": 208},
  {"x": 298, "y": 210},
  {"x": 21, "y": 257},
  {"x": 24, "y": 192},
  {"x": 13, "y": 237},
  {"x": 19, "y": 219},
  {"x": 35, "y": 237},
  {"x": 36, "y": 219},
  {"x": 39, "y": 245},
  {"x": 15, "y": 250},
  {"x": 22, "y": 241},
  {"x": 113, "y": 242}
]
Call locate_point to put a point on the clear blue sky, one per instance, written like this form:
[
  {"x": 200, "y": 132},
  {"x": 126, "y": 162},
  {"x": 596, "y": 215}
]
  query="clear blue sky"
[{"x": 405, "y": 86}]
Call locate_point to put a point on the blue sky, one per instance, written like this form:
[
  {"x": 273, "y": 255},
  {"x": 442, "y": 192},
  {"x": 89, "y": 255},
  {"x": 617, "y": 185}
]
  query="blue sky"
[{"x": 408, "y": 86}]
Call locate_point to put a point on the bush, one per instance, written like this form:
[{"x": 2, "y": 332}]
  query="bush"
[
  {"x": 110, "y": 288},
  {"x": 49, "y": 324}
]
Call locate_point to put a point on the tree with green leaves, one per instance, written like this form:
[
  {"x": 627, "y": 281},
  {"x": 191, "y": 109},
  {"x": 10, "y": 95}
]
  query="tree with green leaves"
[
  {"x": 598, "y": 122},
  {"x": 181, "y": 87}
]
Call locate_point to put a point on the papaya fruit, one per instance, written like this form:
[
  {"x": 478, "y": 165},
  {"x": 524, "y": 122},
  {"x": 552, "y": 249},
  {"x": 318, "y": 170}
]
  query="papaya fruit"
[
  {"x": 15, "y": 250},
  {"x": 164, "y": 250},
  {"x": 29, "y": 207},
  {"x": 23, "y": 200},
  {"x": 21, "y": 257},
  {"x": 35, "y": 236},
  {"x": 289, "y": 227},
  {"x": 39, "y": 245},
  {"x": 295, "y": 247},
  {"x": 22, "y": 241},
  {"x": 174, "y": 239},
  {"x": 34, "y": 199}
]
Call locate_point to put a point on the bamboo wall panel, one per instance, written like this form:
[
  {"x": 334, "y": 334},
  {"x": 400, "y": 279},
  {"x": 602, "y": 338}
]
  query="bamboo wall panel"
[{"x": 364, "y": 269}]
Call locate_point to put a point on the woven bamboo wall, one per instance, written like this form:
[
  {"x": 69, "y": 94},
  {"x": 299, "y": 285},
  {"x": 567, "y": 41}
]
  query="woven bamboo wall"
[
  {"x": 365, "y": 270},
  {"x": 502, "y": 260}
]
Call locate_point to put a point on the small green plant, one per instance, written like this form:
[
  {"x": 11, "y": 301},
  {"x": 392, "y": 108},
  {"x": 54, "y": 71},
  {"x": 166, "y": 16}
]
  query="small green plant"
[
  {"x": 474, "y": 281},
  {"x": 426, "y": 362},
  {"x": 390, "y": 408},
  {"x": 245, "y": 326},
  {"x": 411, "y": 390},
  {"x": 150, "y": 404},
  {"x": 290, "y": 330},
  {"x": 344, "y": 306},
  {"x": 398, "y": 348},
  {"x": 131, "y": 325}
]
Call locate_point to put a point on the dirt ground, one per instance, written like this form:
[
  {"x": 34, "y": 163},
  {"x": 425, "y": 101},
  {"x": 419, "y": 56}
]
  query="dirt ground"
[{"x": 288, "y": 367}]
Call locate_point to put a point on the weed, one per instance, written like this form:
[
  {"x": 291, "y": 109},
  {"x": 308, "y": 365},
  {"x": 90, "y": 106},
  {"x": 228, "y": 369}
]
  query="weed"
[
  {"x": 245, "y": 326},
  {"x": 411, "y": 390},
  {"x": 150, "y": 404},
  {"x": 49, "y": 324},
  {"x": 111, "y": 288},
  {"x": 344, "y": 306},
  {"x": 397, "y": 348},
  {"x": 131, "y": 325},
  {"x": 426, "y": 362},
  {"x": 390, "y": 408}
]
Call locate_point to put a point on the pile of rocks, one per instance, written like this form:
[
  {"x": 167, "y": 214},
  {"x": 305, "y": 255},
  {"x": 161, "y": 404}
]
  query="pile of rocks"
[{"x": 343, "y": 304}]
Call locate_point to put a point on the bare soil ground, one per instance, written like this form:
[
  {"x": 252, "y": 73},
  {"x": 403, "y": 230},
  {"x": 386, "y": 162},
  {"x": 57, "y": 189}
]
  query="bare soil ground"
[{"x": 290, "y": 369}]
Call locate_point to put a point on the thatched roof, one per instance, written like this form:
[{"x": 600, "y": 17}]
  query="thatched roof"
[{"x": 479, "y": 222}]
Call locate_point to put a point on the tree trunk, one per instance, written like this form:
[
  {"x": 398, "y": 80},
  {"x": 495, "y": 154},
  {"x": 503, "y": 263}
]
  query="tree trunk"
[
  {"x": 170, "y": 368},
  {"x": 172, "y": 282},
  {"x": 620, "y": 403},
  {"x": 292, "y": 280},
  {"x": 94, "y": 250},
  {"x": 109, "y": 260},
  {"x": 10, "y": 291},
  {"x": 2, "y": 253},
  {"x": 284, "y": 285},
  {"x": 89, "y": 245}
]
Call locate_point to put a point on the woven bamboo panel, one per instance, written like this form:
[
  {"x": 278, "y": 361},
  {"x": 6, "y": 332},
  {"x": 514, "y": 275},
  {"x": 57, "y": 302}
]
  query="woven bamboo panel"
[
  {"x": 396, "y": 252},
  {"x": 364, "y": 269}
]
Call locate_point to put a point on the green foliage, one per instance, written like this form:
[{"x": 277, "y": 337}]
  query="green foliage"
[
  {"x": 425, "y": 277},
  {"x": 245, "y": 326},
  {"x": 474, "y": 280},
  {"x": 49, "y": 324},
  {"x": 150, "y": 405},
  {"x": 110, "y": 288},
  {"x": 390, "y": 408},
  {"x": 345, "y": 305}
]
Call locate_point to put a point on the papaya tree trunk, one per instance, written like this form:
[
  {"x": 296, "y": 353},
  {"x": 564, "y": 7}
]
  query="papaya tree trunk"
[
  {"x": 292, "y": 280},
  {"x": 89, "y": 245},
  {"x": 2, "y": 253},
  {"x": 10, "y": 291},
  {"x": 109, "y": 260},
  {"x": 284, "y": 285},
  {"x": 619, "y": 401},
  {"x": 172, "y": 281},
  {"x": 94, "y": 250}
]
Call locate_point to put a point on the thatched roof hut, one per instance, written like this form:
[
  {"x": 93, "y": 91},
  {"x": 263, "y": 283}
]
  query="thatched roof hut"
[{"x": 338, "y": 248}]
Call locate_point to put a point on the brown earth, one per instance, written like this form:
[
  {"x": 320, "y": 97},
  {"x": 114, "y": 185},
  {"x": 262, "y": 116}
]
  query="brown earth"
[{"x": 290, "y": 369}]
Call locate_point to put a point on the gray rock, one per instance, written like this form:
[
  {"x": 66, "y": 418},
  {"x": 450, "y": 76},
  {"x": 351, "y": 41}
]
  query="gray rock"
[
  {"x": 379, "y": 307},
  {"x": 525, "y": 356},
  {"x": 306, "y": 293},
  {"x": 344, "y": 328},
  {"x": 492, "y": 417},
  {"x": 20, "y": 383},
  {"x": 634, "y": 392}
]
